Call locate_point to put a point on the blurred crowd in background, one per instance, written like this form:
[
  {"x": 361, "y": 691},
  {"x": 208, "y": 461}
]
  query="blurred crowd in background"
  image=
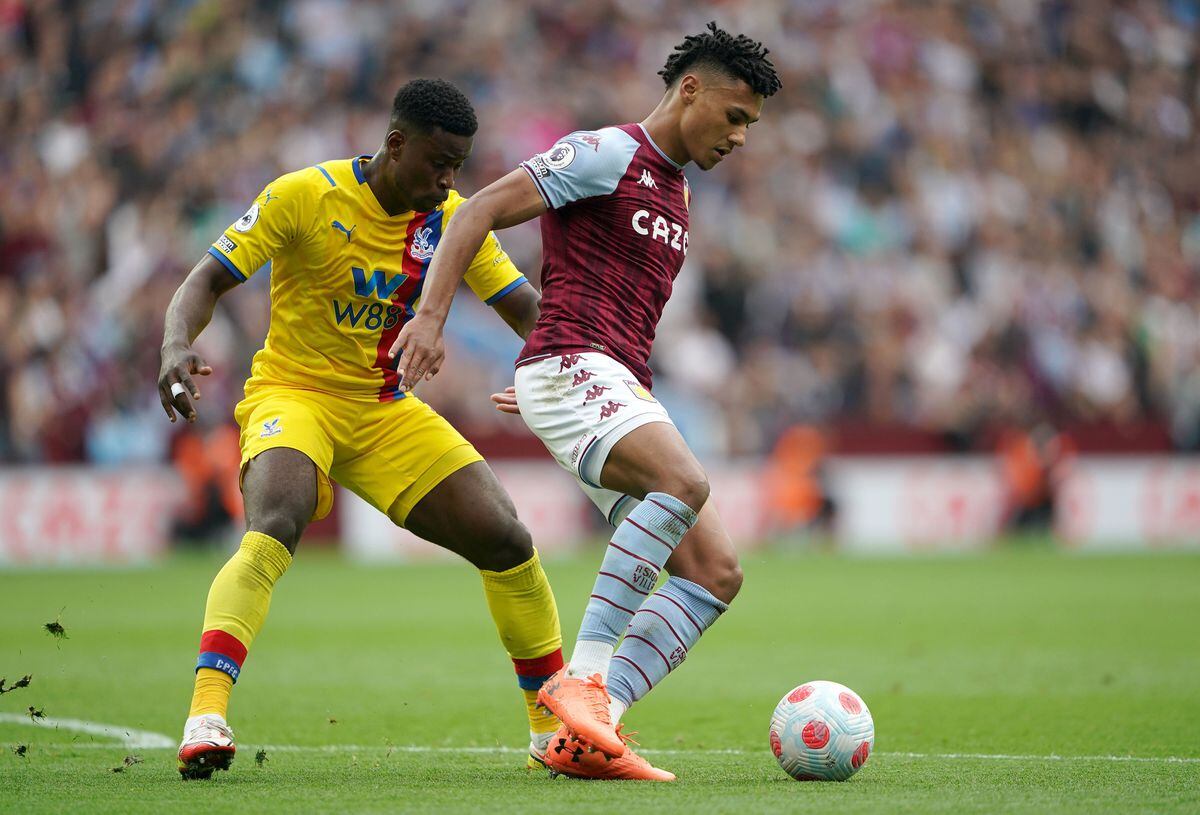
[{"x": 954, "y": 217}]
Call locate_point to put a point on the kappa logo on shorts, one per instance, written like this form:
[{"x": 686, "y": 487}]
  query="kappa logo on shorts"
[
  {"x": 611, "y": 408},
  {"x": 270, "y": 428},
  {"x": 594, "y": 392},
  {"x": 581, "y": 377},
  {"x": 568, "y": 361}
]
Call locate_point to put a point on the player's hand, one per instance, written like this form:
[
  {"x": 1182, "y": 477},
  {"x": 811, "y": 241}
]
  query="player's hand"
[
  {"x": 176, "y": 390},
  {"x": 421, "y": 350},
  {"x": 507, "y": 402}
]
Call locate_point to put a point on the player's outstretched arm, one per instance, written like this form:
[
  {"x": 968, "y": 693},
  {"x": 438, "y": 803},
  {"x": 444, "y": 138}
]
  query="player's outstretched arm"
[
  {"x": 520, "y": 309},
  {"x": 189, "y": 312},
  {"x": 506, "y": 202}
]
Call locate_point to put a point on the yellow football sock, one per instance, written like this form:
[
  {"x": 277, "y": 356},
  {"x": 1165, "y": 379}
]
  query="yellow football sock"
[
  {"x": 526, "y": 616},
  {"x": 237, "y": 607},
  {"x": 211, "y": 694}
]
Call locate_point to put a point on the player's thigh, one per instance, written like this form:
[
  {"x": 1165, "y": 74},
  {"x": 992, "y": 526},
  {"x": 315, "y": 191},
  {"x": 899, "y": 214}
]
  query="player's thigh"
[
  {"x": 408, "y": 462},
  {"x": 279, "y": 489},
  {"x": 655, "y": 458},
  {"x": 286, "y": 449},
  {"x": 601, "y": 425},
  {"x": 469, "y": 513},
  {"x": 706, "y": 556}
]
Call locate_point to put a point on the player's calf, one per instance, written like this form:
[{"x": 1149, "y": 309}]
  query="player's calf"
[
  {"x": 469, "y": 513},
  {"x": 705, "y": 577}
]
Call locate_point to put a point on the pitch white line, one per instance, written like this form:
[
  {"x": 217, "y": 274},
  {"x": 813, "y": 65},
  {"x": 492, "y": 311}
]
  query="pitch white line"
[
  {"x": 127, "y": 736},
  {"x": 477, "y": 750}
]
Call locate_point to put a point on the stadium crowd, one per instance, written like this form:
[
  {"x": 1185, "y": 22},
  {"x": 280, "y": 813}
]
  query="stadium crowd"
[{"x": 954, "y": 215}]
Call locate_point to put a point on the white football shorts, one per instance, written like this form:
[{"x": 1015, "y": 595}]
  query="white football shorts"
[{"x": 580, "y": 406}]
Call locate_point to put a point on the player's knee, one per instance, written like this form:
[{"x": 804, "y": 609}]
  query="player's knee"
[
  {"x": 689, "y": 486},
  {"x": 508, "y": 546},
  {"x": 721, "y": 576},
  {"x": 729, "y": 582},
  {"x": 281, "y": 525}
]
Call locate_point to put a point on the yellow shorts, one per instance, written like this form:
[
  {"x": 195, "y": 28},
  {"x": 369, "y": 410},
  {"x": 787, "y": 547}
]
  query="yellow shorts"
[{"x": 388, "y": 453}]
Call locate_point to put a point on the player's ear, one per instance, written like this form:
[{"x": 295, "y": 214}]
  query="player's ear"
[
  {"x": 689, "y": 87},
  {"x": 395, "y": 141}
]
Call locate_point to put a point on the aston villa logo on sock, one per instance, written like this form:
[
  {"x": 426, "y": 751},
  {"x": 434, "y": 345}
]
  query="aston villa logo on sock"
[{"x": 645, "y": 577}]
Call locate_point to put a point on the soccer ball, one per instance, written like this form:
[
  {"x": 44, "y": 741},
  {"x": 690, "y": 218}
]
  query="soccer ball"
[{"x": 822, "y": 731}]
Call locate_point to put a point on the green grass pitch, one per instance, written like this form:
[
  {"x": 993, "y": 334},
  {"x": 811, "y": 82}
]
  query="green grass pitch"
[{"x": 1018, "y": 681}]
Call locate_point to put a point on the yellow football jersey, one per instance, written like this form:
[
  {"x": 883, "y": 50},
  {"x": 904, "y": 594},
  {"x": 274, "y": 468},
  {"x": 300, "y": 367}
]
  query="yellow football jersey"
[{"x": 345, "y": 276}]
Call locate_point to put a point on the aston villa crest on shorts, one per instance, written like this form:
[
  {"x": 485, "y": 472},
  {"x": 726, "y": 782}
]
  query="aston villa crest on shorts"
[{"x": 639, "y": 390}]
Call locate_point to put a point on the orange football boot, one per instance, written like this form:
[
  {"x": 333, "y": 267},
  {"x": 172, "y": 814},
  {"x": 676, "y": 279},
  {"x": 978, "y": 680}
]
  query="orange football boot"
[
  {"x": 570, "y": 757},
  {"x": 582, "y": 705}
]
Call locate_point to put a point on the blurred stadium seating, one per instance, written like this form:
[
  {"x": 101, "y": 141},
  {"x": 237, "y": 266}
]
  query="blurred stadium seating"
[{"x": 957, "y": 221}]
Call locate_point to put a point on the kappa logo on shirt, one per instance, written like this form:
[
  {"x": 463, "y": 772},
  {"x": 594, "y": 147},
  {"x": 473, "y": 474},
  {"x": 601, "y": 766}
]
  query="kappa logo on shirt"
[
  {"x": 647, "y": 180},
  {"x": 270, "y": 428}
]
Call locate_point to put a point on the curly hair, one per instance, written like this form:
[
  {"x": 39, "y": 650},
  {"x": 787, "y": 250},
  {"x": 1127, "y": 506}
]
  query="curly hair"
[
  {"x": 738, "y": 56},
  {"x": 428, "y": 103}
]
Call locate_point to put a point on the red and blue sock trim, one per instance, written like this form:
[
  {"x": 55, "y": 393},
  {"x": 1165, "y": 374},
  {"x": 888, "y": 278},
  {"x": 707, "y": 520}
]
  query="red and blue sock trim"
[
  {"x": 531, "y": 673},
  {"x": 221, "y": 652}
]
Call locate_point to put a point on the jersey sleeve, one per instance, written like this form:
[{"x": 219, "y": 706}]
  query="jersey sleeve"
[
  {"x": 274, "y": 220},
  {"x": 581, "y": 165},
  {"x": 492, "y": 273}
]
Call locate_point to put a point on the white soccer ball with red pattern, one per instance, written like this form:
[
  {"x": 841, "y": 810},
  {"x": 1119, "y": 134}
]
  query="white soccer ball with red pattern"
[{"x": 822, "y": 731}]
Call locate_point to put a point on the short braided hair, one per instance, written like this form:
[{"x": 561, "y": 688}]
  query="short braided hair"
[
  {"x": 429, "y": 103},
  {"x": 739, "y": 56}
]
